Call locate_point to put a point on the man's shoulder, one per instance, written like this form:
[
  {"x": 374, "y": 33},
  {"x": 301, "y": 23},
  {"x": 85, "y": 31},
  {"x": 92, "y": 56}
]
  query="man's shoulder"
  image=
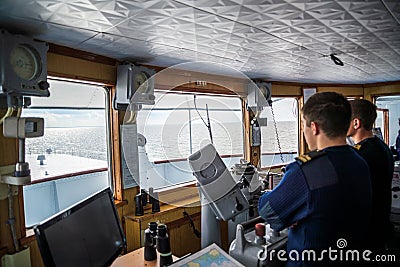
[
  {"x": 309, "y": 157},
  {"x": 372, "y": 145}
]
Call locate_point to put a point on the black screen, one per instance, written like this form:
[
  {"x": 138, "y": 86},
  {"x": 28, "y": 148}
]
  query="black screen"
[{"x": 88, "y": 234}]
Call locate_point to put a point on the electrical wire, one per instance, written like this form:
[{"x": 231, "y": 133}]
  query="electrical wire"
[
  {"x": 19, "y": 112},
  {"x": 8, "y": 114},
  {"x": 132, "y": 117},
  {"x": 277, "y": 136},
  {"x": 11, "y": 218}
]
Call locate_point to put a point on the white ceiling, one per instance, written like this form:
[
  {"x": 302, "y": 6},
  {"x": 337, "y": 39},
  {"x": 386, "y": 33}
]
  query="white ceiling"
[{"x": 277, "y": 40}]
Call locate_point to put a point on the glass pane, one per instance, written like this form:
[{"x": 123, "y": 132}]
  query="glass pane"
[
  {"x": 393, "y": 104},
  {"x": 70, "y": 161},
  {"x": 174, "y": 129},
  {"x": 285, "y": 111}
]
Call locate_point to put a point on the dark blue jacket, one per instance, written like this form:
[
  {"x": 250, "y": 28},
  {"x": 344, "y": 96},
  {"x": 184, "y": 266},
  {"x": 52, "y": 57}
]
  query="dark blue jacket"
[{"x": 326, "y": 195}]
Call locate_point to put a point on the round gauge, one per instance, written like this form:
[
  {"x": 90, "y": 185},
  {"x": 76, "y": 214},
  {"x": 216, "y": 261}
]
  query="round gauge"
[
  {"x": 139, "y": 80},
  {"x": 208, "y": 170},
  {"x": 24, "y": 62},
  {"x": 264, "y": 91}
]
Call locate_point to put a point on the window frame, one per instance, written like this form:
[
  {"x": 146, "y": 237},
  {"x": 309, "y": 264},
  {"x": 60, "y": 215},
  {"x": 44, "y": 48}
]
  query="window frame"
[
  {"x": 166, "y": 189},
  {"x": 108, "y": 139}
]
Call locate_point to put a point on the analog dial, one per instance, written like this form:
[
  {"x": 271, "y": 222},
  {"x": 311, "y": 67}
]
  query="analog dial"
[
  {"x": 141, "y": 79},
  {"x": 24, "y": 62}
]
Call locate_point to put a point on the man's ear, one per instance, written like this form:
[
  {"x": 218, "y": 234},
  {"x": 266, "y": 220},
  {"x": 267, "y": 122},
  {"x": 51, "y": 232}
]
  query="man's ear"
[
  {"x": 314, "y": 128},
  {"x": 356, "y": 124}
]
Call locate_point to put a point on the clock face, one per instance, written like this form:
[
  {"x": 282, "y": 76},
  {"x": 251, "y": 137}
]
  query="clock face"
[
  {"x": 24, "y": 62},
  {"x": 140, "y": 79}
]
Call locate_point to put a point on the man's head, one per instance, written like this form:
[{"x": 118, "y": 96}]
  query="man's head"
[
  {"x": 327, "y": 113},
  {"x": 363, "y": 116}
]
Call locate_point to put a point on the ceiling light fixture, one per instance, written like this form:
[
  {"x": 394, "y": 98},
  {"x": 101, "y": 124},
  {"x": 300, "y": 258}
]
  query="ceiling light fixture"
[{"x": 336, "y": 60}]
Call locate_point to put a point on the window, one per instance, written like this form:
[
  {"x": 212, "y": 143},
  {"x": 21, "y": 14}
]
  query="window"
[
  {"x": 70, "y": 162},
  {"x": 392, "y": 103},
  {"x": 174, "y": 130},
  {"x": 286, "y": 118}
]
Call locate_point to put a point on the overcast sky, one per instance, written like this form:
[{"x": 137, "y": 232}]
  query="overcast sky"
[{"x": 75, "y": 95}]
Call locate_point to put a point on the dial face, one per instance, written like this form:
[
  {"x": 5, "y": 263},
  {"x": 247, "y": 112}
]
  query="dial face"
[
  {"x": 24, "y": 62},
  {"x": 264, "y": 91},
  {"x": 141, "y": 78},
  {"x": 208, "y": 170}
]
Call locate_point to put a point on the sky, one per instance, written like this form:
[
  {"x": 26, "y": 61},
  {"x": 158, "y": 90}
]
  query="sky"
[{"x": 74, "y": 95}]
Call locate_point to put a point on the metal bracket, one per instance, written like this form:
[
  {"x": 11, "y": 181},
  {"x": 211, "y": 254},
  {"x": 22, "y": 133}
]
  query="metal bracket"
[
  {"x": 7, "y": 177},
  {"x": 12, "y": 180}
]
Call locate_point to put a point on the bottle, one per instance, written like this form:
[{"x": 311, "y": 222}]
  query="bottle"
[
  {"x": 150, "y": 234},
  {"x": 163, "y": 245}
]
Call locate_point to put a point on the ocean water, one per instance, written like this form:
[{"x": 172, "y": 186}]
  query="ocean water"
[{"x": 170, "y": 141}]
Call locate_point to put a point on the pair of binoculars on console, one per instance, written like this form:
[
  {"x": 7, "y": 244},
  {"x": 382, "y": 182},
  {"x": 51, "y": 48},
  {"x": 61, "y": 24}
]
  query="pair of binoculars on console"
[
  {"x": 156, "y": 239},
  {"x": 142, "y": 199}
]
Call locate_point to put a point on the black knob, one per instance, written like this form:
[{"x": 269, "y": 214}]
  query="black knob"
[
  {"x": 238, "y": 206},
  {"x": 44, "y": 85}
]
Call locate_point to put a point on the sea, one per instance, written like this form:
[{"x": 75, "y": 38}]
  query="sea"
[{"x": 165, "y": 141}]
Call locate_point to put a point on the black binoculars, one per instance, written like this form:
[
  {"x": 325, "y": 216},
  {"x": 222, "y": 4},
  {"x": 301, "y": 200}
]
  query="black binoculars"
[
  {"x": 143, "y": 198},
  {"x": 156, "y": 237}
]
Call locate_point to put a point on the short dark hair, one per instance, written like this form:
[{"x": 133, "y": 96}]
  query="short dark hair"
[
  {"x": 365, "y": 111},
  {"x": 330, "y": 110}
]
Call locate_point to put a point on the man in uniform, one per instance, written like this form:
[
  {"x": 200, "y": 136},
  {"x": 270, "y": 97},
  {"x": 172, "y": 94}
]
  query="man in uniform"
[
  {"x": 325, "y": 195},
  {"x": 380, "y": 161}
]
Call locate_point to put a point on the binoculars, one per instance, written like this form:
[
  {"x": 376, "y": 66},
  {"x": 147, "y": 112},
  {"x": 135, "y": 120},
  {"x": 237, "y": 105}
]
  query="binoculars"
[
  {"x": 143, "y": 198},
  {"x": 156, "y": 239}
]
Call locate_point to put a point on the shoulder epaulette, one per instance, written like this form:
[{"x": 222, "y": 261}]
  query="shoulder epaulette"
[
  {"x": 357, "y": 146},
  {"x": 302, "y": 159}
]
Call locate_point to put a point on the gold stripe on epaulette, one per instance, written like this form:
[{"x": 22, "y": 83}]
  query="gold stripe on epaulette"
[
  {"x": 357, "y": 146},
  {"x": 302, "y": 158},
  {"x": 307, "y": 157}
]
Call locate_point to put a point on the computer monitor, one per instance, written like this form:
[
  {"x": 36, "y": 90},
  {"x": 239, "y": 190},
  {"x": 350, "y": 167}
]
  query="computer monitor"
[{"x": 87, "y": 234}]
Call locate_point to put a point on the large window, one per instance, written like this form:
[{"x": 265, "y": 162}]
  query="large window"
[
  {"x": 282, "y": 125},
  {"x": 392, "y": 103},
  {"x": 175, "y": 128},
  {"x": 70, "y": 162}
]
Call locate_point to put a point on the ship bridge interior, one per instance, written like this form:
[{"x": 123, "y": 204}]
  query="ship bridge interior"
[{"x": 130, "y": 90}]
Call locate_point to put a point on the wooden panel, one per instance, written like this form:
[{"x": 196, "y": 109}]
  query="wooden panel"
[
  {"x": 132, "y": 234},
  {"x": 370, "y": 91},
  {"x": 246, "y": 133},
  {"x": 295, "y": 89},
  {"x": 182, "y": 238},
  {"x": 80, "y": 69},
  {"x": 345, "y": 90},
  {"x": 135, "y": 225},
  {"x": 36, "y": 258},
  {"x": 8, "y": 147},
  {"x": 284, "y": 89},
  {"x": 5, "y": 232},
  {"x": 171, "y": 78},
  {"x": 115, "y": 150},
  {"x": 129, "y": 196},
  {"x": 180, "y": 196}
]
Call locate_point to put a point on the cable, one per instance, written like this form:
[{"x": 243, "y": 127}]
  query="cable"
[
  {"x": 277, "y": 136},
  {"x": 191, "y": 223},
  {"x": 19, "y": 112},
  {"x": 11, "y": 218},
  {"x": 132, "y": 117},
  {"x": 8, "y": 114}
]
